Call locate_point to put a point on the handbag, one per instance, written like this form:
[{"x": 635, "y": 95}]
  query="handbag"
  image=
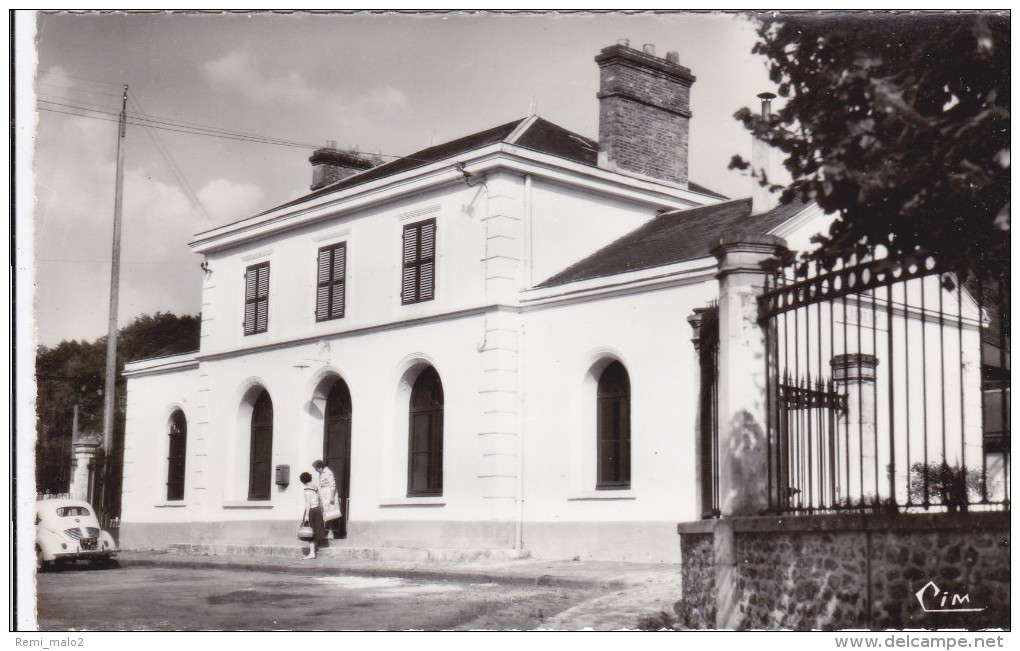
[
  {"x": 331, "y": 512},
  {"x": 305, "y": 531}
]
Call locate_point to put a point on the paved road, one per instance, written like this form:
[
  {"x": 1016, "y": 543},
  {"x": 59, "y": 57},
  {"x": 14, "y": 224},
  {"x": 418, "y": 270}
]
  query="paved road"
[{"x": 165, "y": 599}]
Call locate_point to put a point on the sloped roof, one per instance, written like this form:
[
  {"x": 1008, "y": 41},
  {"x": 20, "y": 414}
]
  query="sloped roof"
[
  {"x": 541, "y": 135},
  {"x": 673, "y": 237}
]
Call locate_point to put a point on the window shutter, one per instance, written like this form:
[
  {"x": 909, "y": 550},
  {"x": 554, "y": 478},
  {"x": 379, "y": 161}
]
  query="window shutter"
[
  {"x": 322, "y": 291},
  {"x": 426, "y": 280},
  {"x": 262, "y": 314},
  {"x": 339, "y": 280},
  {"x": 251, "y": 282}
]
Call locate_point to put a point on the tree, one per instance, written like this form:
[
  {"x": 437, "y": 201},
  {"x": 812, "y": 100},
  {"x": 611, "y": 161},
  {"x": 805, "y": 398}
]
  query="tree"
[
  {"x": 899, "y": 125},
  {"x": 73, "y": 372}
]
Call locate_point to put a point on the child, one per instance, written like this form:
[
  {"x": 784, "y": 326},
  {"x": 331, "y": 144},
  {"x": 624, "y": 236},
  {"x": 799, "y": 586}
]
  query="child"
[{"x": 313, "y": 507}]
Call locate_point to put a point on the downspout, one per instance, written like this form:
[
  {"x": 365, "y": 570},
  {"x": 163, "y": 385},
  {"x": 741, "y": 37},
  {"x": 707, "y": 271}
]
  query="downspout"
[{"x": 519, "y": 528}]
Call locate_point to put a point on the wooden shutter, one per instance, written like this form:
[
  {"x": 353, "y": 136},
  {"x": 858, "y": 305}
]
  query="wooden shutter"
[
  {"x": 256, "y": 298},
  {"x": 427, "y": 275},
  {"x": 322, "y": 285},
  {"x": 250, "y": 284},
  {"x": 331, "y": 282},
  {"x": 409, "y": 282},
  {"x": 419, "y": 267},
  {"x": 339, "y": 280}
]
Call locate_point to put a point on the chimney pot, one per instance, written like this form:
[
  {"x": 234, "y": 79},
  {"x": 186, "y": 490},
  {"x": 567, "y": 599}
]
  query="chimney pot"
[
  {"x": 649, "y": 49},
  {"x": 766, "y": 103},
  {"x": 625, "y": 42},
  {"x": 673, "y": 57}
]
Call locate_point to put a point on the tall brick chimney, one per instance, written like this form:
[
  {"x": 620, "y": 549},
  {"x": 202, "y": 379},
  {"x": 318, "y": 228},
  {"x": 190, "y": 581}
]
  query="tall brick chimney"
[
  {"x": 330, "y": 165},
  {"x": 644, "y": 112}
]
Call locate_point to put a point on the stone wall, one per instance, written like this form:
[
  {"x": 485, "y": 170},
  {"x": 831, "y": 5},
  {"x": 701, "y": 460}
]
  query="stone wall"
[{"x": 848, "y": 571}]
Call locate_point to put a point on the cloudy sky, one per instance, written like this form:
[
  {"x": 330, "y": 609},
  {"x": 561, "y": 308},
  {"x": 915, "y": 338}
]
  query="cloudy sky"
[{"x": 388, "y": 83}]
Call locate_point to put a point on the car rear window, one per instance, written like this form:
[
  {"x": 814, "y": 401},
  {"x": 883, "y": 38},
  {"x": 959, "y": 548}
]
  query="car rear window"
[{"x": 67, "y": 511}]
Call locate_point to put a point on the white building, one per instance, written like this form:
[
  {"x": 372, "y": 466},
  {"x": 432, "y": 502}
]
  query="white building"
[{"x": 487, "y": 341}]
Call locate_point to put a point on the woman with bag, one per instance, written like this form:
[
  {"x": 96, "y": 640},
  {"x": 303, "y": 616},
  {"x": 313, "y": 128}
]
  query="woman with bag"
[
  {"x": 328, "y": 496},
  {"x": 313, "y": 517}
]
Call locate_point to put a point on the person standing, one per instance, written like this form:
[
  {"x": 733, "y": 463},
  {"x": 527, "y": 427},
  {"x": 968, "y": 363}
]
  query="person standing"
[
  {"x": 313, "y": 511},
  {"x": 327, "y": 493}
]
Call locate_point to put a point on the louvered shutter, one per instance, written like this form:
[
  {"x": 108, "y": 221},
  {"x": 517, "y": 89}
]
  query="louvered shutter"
[
  {"x": 410, "y": 280},
  {"x": 339, "y": 280},
  {"x": 250, "y": 285},
  {"x": 322, "y": 289},
  {"x": 262, "y": 313},
  {"x": 426, "y": 281}
]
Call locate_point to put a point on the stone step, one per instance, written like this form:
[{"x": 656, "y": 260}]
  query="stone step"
[{"x": 359, "y": 553}]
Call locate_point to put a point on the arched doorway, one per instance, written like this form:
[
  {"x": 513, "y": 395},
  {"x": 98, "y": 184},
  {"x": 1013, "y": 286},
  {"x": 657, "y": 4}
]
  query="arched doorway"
[
  {"x": 336, "y": 449},
  {"x": 260, "y": 470}
]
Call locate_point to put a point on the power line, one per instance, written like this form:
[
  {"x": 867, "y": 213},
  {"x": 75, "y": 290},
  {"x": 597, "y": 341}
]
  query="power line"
[{"x": 174, "y": 169}]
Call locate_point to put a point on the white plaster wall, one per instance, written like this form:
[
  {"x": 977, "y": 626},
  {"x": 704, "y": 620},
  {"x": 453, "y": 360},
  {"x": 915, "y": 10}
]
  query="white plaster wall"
[
  {"x": 151, "y": 400},
  {"x": 567, "y": 226},
  {"x": 649, "y": 333}
]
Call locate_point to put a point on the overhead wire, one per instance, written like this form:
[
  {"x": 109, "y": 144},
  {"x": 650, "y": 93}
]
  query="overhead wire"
[{"x": 175, "y": 170}]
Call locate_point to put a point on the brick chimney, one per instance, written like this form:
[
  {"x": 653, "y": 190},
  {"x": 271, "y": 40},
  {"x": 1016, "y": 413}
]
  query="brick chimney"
[
  {"x": 644, "y": 112},
  {"x": 330, "y": 165}
]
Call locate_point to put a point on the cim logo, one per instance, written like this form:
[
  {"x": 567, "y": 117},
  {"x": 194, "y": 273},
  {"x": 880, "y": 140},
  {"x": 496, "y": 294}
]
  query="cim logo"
[{"x": 935, "y": 600}]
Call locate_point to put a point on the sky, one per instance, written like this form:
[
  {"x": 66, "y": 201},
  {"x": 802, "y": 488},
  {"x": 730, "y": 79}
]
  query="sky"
[{"x": 392, "y": 83}]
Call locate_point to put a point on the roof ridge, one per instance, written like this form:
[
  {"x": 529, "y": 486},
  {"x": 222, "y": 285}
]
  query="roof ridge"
[{"x": 521, "y": 128}]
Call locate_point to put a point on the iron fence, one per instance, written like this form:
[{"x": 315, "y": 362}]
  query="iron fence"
[{"x": 888, "y": 387}]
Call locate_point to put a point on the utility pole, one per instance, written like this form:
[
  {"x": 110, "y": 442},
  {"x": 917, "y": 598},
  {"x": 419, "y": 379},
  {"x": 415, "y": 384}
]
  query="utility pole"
[{"x": 110, "y": 386}]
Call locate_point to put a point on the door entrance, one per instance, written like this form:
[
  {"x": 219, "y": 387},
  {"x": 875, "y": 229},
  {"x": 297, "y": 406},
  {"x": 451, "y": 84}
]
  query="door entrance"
[{"x": 336, "y": 450}]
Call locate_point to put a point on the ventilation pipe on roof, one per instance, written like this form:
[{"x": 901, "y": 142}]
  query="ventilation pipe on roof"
[{"x": 763, "y": 165}]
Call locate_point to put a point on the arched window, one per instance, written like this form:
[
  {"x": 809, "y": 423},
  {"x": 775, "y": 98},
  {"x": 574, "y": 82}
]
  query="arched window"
[
  {"x": 336, "y": 448},
  {"x": 425, "y": 447},
  {"x": 176, "y": 455},
  {"x": 613, "y": 428},
  {"x": 260, "y": 471}
]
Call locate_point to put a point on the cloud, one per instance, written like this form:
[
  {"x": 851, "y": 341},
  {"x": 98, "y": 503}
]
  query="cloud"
[
  {"x": 226, "y": 201},
  {"x": 242, "y": 71}
]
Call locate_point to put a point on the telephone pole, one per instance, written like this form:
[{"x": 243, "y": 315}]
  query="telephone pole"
[{"x": 110, "y": 386}]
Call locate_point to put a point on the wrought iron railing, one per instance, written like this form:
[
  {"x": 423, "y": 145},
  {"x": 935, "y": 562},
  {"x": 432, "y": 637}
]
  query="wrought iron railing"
[{"x": 888, "y": 388}]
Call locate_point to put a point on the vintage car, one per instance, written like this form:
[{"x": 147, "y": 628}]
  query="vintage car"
[{"x": 68, "y": 530}]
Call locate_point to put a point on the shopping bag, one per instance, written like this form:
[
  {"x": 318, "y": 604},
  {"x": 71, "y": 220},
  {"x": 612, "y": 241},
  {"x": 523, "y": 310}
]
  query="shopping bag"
[{"x": 331, "y": 512}]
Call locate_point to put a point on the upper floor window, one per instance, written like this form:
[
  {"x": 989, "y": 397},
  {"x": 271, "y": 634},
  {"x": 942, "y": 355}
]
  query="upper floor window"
[
  {"x": 176, "y": 455},
  {"x": 613, "y": 428},
  {"x": 256, "y": 298},
  {"x": 419, "y": 273},
  {"x": 332, "y": 282}
]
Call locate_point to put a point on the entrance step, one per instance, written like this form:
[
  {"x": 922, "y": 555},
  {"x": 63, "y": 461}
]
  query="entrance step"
[{"x": 358, "y": 553}]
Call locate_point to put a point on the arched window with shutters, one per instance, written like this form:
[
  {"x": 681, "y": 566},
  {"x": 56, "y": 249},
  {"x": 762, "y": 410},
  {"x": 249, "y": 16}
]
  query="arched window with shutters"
[
  {"x": 425, "y": 446},
  {"x": 176, "y": 455},
  {"x": 613, "y": 425},
  {"x": 260, "y": 470}
]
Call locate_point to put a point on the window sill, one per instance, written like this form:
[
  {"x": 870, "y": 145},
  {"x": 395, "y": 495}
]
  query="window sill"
[
  {"x": 167, "y": 504},
  {"x": 248, "y": 504},
  {"x": 608, "y": 494},
  {"x": 413, "y": 501}
]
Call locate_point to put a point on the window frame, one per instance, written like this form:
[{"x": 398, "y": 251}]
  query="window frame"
[
  {"x": 613, "y": 453},
  {"x": 330, "y": 283},
  {"x": 416, "y": 263},
  {"x": 433, "y": 448},
  {"x": 176, "y": 456},
  {"x": 254, "y": 485},
  {"x": 256, "y": 297}
]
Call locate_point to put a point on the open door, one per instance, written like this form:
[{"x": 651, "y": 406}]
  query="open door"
[{"x": 336, "y": 450}]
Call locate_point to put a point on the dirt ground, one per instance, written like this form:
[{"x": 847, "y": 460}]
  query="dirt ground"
[{"x": 188, "y": 599}]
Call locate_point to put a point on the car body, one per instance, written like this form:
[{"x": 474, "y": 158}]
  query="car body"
[{"x": 68, "y": 530}]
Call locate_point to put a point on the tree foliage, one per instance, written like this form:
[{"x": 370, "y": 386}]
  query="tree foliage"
[
  {"x": 899, "y": 125},
  {"x": 72, "y": 373}
]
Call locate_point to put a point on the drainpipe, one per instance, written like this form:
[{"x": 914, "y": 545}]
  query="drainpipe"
[{"x": 519, "y": 528}]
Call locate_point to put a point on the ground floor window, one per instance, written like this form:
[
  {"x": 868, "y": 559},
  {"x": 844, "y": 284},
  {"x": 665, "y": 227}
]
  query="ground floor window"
[
  {"x": 260, "y": 471},
  {"x": 613, "y": 424},
  {"x": 425, "y": 447}
]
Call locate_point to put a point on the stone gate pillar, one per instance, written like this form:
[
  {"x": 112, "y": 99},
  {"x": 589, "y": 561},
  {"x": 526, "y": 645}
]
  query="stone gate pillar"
[
  {"x": 84, "y": 446},
  {"x": 854, "y": 376},
  {"x": 743, "y": 409}
]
